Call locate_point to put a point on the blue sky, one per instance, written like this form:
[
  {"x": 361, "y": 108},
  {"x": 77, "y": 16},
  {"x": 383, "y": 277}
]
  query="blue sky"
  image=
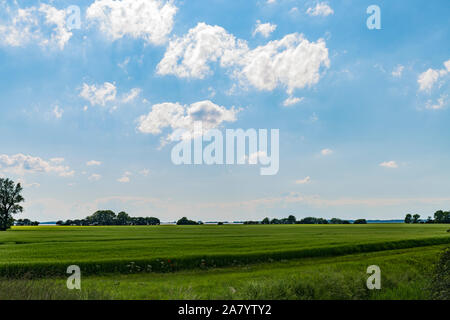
[{"x": 367, "y": 136}]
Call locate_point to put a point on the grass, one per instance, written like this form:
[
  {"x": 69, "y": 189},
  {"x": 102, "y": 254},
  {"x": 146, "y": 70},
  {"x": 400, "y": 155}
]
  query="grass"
[
  {"x": 405, "y": 274},
  {"x": 220, "y": 262},
  {"x": 49, "y": 250}
]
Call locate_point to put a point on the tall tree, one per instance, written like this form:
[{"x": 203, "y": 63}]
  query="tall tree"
[
  {"x": 10, "y": 199},
  {"x": 408, "y": 218}
]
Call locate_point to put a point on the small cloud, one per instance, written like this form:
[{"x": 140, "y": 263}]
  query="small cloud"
[
  {"x": 440, "y": 104},
  {"x": 125, "y": 178},
  {"x": 326, "y": 152},
  {"x": 254, "y": 157},
  {"x": 321, "y": 9},
  {"x": 265, "y": 29},
  {"x": 398, "y": 70},
  {"x": 58, "y": 112},
  {"x": 95, "y": 177},
  {"x": 389, "y": 164},
  {"x": 144, "y": 172},
  {"x": 99, "y": 95},
  {"x": 133, "y": 94},
  {"x": 93, "y": 163},
  {"x": 291, "y": 101},
  {"x": 57, "y": 160},
  {"x": 303, "y": 181}
]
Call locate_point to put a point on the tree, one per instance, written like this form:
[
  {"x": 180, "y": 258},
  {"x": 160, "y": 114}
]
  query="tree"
[
  {"x": 186, "y": 221},
  {"x": 123, "y": 218},
  {"x": 266, "y": 221},
  {"x": 10, "y": 199},
  {"x": 416, "y": 218},
  {"x": 442, "y": 216},
  {"x": 408, "y": 218},
  {"x": 102, "y": 218},
  {"x": 360, "y": 221},
  {"x": 291, "y": 219}
]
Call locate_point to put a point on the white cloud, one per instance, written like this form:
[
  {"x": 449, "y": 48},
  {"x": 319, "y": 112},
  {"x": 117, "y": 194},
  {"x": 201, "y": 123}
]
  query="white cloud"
[
  {"x": 389, "y": 164},
  {"x": 177, "y": 116},
  {"x": 271, "y": 1},
  {"x": 265, "y": 29},
  {"x": 21, "y": 164},
  {"x": 44, "y": 25},
  {"x": 133, "y": 94},
  {"x": 125, "y": 178},
  {"x": 326, "y": 152},
  {"x": 427, "y": 79},
  {"x": 99, "y": 95},
  {"x": 102, "y": 94},
  {"x": 255, "y": 156},
  {"x": 292, "y": 62},
  {"x": 144, "y": 172},
  {"x": 398, "y": 70},
  {"x": 53, "y": 16},
  {"x": 440, "y": 104},
  {"x": 447, "y": 65},
  {"x": 57, "y": 160},
  {"x": 303, "y": 181},
  {"x": 94, "y": 177},
  {"x": 151, "y": 20},
  {"x": 321, "y": 9},
  {"x": 58, "y": 112},
  {"x": 188, "y": 56},
  {"x": 291, "y": 101},
  {"x": 93, "y": 163}
]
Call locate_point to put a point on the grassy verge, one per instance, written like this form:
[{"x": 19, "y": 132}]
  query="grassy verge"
[
  {"x": 405, "y": 274},
  {"x": 172, "y": 264}
]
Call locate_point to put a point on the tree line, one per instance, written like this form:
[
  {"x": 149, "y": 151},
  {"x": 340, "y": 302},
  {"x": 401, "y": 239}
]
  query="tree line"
[
  {"x": 308, "y": 220},
  {"x": 109, "y": 218},
  {"x": 440, "y": 216}
]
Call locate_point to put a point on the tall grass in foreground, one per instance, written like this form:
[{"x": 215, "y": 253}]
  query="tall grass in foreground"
[
  {"x": 173, "y": 264},
  {"x": 406, "y": 274},
  {"x": 32, "y": 289}
]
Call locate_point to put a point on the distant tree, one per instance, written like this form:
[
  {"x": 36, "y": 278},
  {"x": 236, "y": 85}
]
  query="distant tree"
[
  {"x": 26, "y": 222},
  {"x": 408, "y": 218},
  {"x": 429, "y": 220},
  {"x": 123, "y": 218},
  {"x": 186, "y": 221},
  {"x": 251, "y": 222},
  {"x": 360, "y": 221},
  {"x": 152, "y": 221},
  {"x": 442, "y": 216},
  {"x": 220, "y": 223},
  {"x": 416, "y": 218},
  {"x": 10, "y": 199},
  {"x": 265, "y": 221},
  {"x": 313, "y": 220},
  {"x": 59, "y": 223},
  {"x": 102, "y": 218},
  {"x": 291, "y": 219},
  {"x": 275, "y": 221}
]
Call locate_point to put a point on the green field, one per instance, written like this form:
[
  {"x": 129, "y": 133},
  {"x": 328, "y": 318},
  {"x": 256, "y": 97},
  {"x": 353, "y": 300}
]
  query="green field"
[{"x": 230, "y": 261}]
